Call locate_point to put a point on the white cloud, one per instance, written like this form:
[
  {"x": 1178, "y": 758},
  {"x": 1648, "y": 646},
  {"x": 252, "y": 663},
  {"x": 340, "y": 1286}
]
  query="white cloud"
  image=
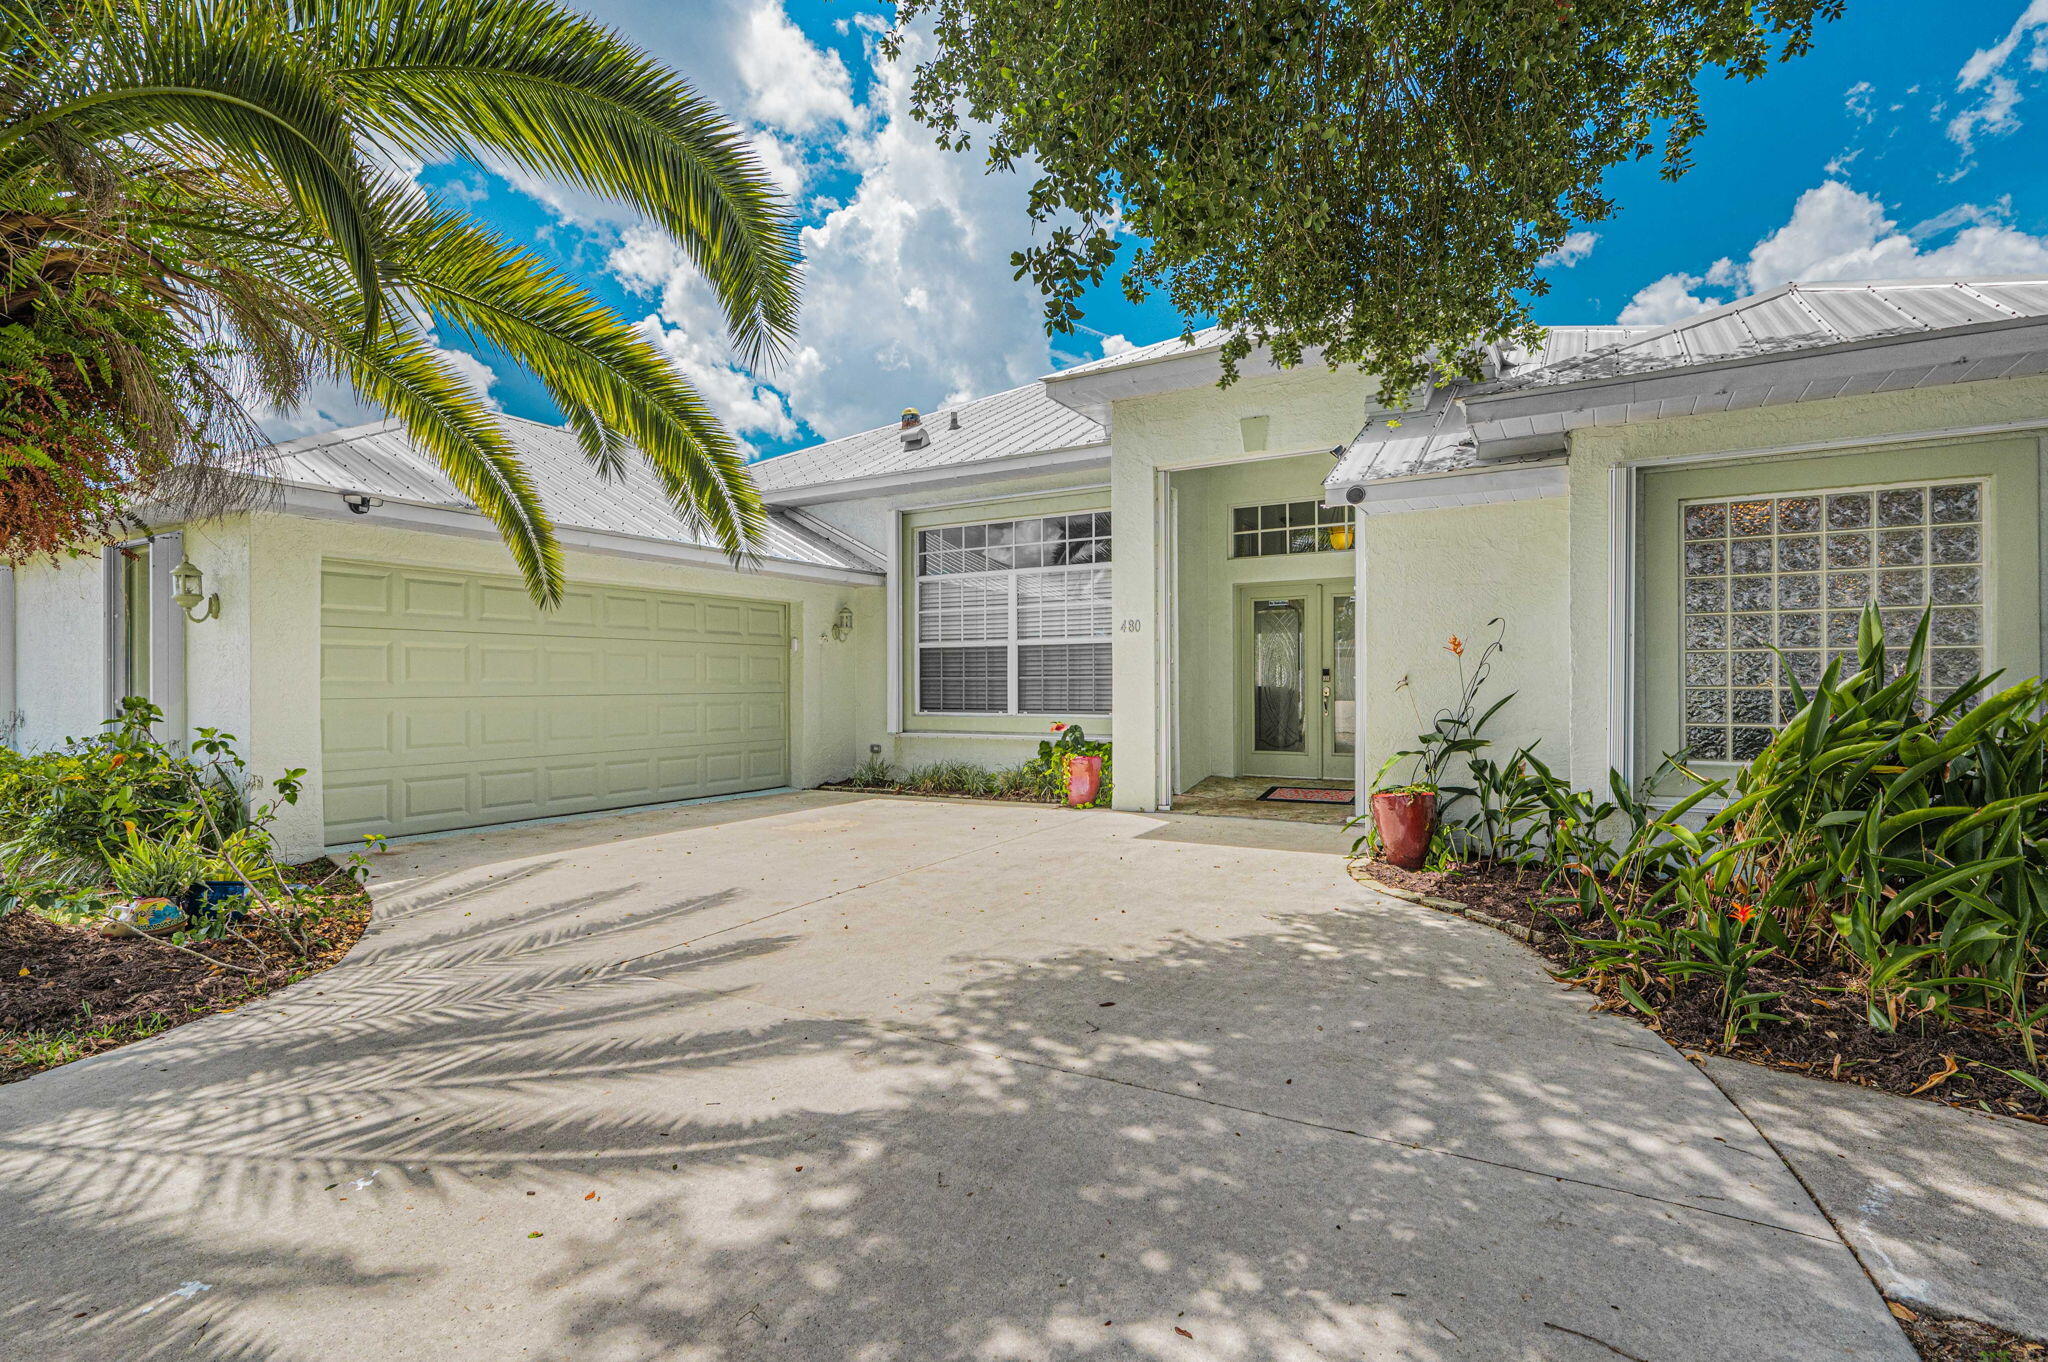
[
  {"x": 1670, "y": 299},
  {"x": 2032, "y": 25},
  {"x": 1988, "y": 70},
  {"x": 1836, "y": 232},
  {"x": 783, "y": 165},
  {"x": 1992, "y": 114},
  {"x": 1112, "y": 346},
  {"x": 1575, "y": 247},
  {"x": 908, "y": 295},
  {"x": 1856, "y": 100},
  {"x": 790, "y": 83}
]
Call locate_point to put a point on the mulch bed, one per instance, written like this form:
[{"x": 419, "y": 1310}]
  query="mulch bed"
[
  {"x": 1827, "y": 1035},
  {"x": 1962, "y": 1340},
  {"x": 57, "y": 978}
]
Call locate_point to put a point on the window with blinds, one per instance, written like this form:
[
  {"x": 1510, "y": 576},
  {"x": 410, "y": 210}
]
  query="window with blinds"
[{"x": 1012, "y": 617}]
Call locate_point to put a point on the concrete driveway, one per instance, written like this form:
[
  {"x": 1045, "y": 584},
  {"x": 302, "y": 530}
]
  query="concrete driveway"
[{"x": 869, "y": 1080}]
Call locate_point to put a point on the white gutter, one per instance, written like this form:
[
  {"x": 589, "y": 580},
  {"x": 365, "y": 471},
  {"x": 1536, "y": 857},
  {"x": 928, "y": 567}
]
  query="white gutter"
[
  {"x": 918, "y": 479},
  {"x": 1479, "y": 486},
  {"x": 325, "y": 503}
]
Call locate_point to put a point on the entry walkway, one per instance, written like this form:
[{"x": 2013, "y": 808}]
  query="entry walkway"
[{"x": 837, "y": 1077}]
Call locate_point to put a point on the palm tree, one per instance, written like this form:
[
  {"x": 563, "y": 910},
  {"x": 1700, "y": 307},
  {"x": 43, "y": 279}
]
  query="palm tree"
[{"x": 198, "y": 211}]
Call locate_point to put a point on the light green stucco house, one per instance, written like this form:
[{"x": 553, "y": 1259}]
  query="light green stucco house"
[{"x": 1227, "y": 581}]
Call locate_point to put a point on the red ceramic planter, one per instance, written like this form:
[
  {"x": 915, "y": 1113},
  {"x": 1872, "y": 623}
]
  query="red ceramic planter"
[
  {"x": 1084, "y": 780},
  {"x": 1404, "y": 822}
]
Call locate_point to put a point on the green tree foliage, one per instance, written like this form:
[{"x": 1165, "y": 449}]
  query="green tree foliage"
[
  {"x": 1378, "y": 178},
  {"x": 198, "y": 211}
]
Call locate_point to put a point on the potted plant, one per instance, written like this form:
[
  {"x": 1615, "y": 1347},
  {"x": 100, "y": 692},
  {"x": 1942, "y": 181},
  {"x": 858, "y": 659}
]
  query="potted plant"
[
  {"x": 1405, "y": 816},
  {"x": 151, "y": 876},
  {"x": 1080, "y": 766}
]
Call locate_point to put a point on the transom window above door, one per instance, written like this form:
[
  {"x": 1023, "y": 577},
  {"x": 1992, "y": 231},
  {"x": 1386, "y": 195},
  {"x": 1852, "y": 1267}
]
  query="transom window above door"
[
  {"x": 1013, "y": 617},
  {"x": 1290, "y": 527},
  {"x": 1794, "y": 572}
]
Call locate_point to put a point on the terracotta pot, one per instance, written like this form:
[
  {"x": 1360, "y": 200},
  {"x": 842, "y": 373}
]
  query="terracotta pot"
[
  {"x": 1084, "y": 780},
  {"x": 1405, "y": 822}
]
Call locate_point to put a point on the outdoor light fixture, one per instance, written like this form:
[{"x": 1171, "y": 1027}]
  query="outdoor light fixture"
[
  {"x": 1340, "y": 537},
  {"x": 190, "y": 594},
  {"x": 842, "y": 624},
  {"x": 360, "y": 502}
]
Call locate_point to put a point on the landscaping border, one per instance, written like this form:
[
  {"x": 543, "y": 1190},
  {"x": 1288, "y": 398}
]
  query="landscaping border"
[
  {"x": 1548, "y": 942},
  {"x": 164, "y": 987}
]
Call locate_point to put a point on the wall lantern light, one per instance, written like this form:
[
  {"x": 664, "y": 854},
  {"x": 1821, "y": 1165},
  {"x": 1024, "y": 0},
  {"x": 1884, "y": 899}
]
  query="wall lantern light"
[
  {"x": 842, "y": 624},
  {"x": 190, "y": 586},
  {"x": 1341, "y": 537}
]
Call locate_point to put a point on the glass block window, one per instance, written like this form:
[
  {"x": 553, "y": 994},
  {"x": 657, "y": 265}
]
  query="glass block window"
[
  {"x": 1794, "y": 573},
  {"x": 1290, "y": 527},
  {"x": 1012, "y": 617}
]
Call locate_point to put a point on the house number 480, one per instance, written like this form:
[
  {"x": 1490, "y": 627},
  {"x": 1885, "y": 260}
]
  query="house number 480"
[{"x": 1132, "y": 626}]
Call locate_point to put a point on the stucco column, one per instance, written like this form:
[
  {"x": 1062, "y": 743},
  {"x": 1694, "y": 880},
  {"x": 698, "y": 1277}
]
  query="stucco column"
[
  {"x": 1134, "y": 654},
  {"x": 284, "y": 673}
]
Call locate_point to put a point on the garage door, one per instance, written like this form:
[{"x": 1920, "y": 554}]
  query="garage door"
[{"x": 448, "y": 701}]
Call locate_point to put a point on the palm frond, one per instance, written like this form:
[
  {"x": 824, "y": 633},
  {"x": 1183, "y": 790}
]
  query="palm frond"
[
  {"x": 556, "y": 94},
  {"x": 594, "y": 365},
  {"x": 197, "y": 76},
  {"x": 400, "y": 371}
]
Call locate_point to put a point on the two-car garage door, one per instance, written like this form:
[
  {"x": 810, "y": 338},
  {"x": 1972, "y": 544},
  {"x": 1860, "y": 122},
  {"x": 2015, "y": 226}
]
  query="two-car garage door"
[{"x": 449, "y": 701}]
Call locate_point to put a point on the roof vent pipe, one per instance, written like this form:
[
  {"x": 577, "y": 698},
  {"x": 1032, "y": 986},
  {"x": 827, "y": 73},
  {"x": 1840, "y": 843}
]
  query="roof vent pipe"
[{"x": 912, "y": 432}]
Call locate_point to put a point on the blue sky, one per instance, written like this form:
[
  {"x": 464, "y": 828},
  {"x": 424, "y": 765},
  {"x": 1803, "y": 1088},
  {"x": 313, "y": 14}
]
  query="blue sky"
[{"x": 1913, "y": 141}]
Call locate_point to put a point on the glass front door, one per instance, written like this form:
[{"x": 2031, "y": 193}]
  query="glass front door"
[{"x": 1297, "y": 681}]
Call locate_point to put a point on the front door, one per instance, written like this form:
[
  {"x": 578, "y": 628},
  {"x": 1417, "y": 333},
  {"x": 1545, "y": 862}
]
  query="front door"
[{"x": 1297, "y": 677}]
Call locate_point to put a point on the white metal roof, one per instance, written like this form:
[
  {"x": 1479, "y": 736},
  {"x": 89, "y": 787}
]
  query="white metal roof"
[
  {"x": 1970, "y": 328},
  {"x": 382, "y": 460},
  {"x": 1436, "y": 438},
  {"x": 1208, "y": 338},
  {"x": 1018, "y": 422},
  {"x": 1801, "y": 317}
]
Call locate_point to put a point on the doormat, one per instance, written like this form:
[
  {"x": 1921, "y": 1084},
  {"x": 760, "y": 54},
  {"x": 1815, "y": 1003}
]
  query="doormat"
[{"x": 1307, "y": 794}]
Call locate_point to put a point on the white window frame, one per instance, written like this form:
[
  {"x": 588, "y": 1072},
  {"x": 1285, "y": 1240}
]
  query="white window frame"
[
  {"x": 167, "y": 624},
  {"x": 1011, "y": 644},
  {"x": 1347, "y": 519}
]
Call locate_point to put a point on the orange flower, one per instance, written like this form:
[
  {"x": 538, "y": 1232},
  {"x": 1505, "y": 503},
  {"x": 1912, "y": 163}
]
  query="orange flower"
[
  {"x": 1742, "y": 912},
  {"x": 1456, "y": 647},
  {"x": 1059, "y": 728},
  {"x": 116, "y": 759}
]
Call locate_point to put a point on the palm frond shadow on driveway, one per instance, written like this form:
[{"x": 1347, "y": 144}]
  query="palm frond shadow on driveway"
[{"x": 1008, "y": 1169}]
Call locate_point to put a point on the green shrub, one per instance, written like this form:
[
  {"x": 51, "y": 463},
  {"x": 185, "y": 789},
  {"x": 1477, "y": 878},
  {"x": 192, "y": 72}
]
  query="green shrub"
[
  {"x": 68, "y": 814},
  {"x": 874, "y": 773},
  {"x": 1901, "y": 841},
  {"x": 164, "y": 866}
]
